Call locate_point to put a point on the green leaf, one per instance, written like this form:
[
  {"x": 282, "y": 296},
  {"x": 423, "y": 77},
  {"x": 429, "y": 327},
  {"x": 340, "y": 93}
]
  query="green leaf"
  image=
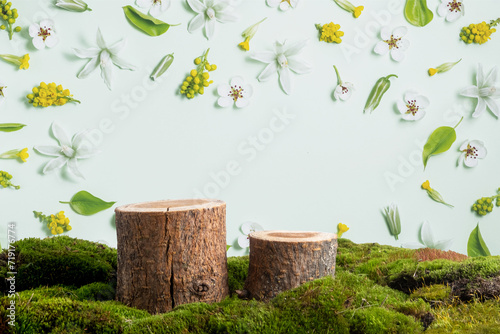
[
  {"x": 10, "y": 127},
  {"x": 476, "y": 245},
  {"x": 417, "y": 13},
  {"x": 146, "y": 23},
  {"x": 86, "y": 204},
  {"x": 227, "y": 247},
  {"x": 439, "y": 141}
]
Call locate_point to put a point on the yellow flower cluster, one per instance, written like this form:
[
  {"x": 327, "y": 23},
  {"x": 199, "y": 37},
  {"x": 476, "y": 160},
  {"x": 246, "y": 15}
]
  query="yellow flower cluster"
[
  {"x": 197, "y": 80},
  {"x": 56, "y": 223},
  {"x": 330, "y": 33},
  {"x": 9, "y": 15},
  {"x": 478, "y": 33},
  {"x": 5, "y": 180},
  {"x": 48, "y": 95}
]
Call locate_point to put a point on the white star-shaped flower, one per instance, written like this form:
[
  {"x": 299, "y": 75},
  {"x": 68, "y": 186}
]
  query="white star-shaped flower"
[
  {"x": 156, "y": 7},
  {"x": 104, "y": 57},
  {"x": 485, "y": 92},
  {"x": 284, "y": 5},
  {"x": 210, "y": 11},
  {"x": 68, "y": 152}
]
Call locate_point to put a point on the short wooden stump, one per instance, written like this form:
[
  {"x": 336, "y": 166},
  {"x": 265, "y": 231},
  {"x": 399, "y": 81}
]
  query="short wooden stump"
[
  {"x": 283, "y": 260},
  {"x": 170, "y": 253}
]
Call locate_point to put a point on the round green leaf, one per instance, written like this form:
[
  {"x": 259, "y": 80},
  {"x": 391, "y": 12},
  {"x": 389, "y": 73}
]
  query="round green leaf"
[
  {"x": 86, "y": 204},
  {"x": 417, "y": 12},
  {"x": 476, "y": 245}
]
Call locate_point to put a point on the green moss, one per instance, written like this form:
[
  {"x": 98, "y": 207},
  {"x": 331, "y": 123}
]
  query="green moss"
[
  {"x": 60, "y": 260},
  {"x": 237, "y": 268},
  {"x": 432, "y": 293}
]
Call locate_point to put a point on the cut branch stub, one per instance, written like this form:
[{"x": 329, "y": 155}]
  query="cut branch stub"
[
  {"x": 282, "y": 260},
  {"x": 170, "y": 253}
]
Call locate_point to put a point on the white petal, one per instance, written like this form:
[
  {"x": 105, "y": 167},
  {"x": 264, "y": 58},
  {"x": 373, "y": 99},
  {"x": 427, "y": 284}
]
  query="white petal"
[
  {"x": 54, "y": 164},
  {"x": 346, "y": 95},
  {"x": 480, "y": 75},
  {"x": 493, "y": 105},
  {"x": 38, "y": 43},
  {"x": 78, "y": 139},
  {"x": 385, "y": 33},
  {"x": 86, "y": 152},
  {"x": 295, "y": 48},
  {"x": 226, "y": 16},
  {"x": 265, "y": 57},
  {"x": 481, "y": 152},
  {"x": 86, "y": 53},
  {"x": 221, "y": 6},
  {"x": 34, "y": 29},
  {"x": 284, "y": 6},
  {"x": 491, "y": 78},
  {"x": 155, "y": 10},
  {"x": 60, "y": 134},
  {"x": 412, "y": 245},
  {"x": 480, "y": 108},
  {"x": 402, "y": 107},
  {"x": 286, "y": 80},
  {"x": 196, "y": 23},
  {"x": 144, "y": 3},
  {"x": 409, "y": 117},
  {"x": 121, "y": 63},
  {"x": 210, "y": 28},
  {"x": 53, "y": 151},
  {"x": 100, "y": 40},
  {"x": 73, "y": 168},
  {"x": 51, "y": 41},
  {"x": 453, "y": 16},
  {"x": 106, "y": 68},
  {"x": 426, "y": 235},
  {"x": 197, "y": 6},
  {"x": 118, "y": 46},
  {"x": 165, "y": 4},
  {"x": 464, "y": 145},
  {"x": 273, "y": 3},
  {"x": 443, "y": 9},
  {"x": 237, "y": 81},
  {"x": 89, "y": 68},
  {"x": 443, "y": 244},
  {"x": 268, "y": 71},
  {"x": 223, "y": 90},
  {"x": 422, "y": 101},
  {"x": 403, "y": 44},
  {"x": 470, "y": 161},
  {"x": 471, "y": 91},
  {"x": 242, "y": 102},
  {"x": 47, "y": 23},
  {"x": 225, "y": 101},
  {"x": 400, "y": 32},
  {"x": 419, "y": 115},
  {"x": 381, "y": 48},
  {"x": 299, "y": 66},
  {"x": 250, "y": 227},
  {"x": 247, "y": 91},
  {"x": 243, "y": 241},
  {"x": 397, "y": 55},
  {"x": 477, "y": 144}
]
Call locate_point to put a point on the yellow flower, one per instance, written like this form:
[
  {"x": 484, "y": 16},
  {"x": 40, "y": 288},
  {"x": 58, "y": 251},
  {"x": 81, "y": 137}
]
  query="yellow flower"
[
  {"x": 24, "y": 62},
  {"x": 432, "y": 71},
  {"x": 23, "y": 154},
  {"x": 245, "y": 45},
  {"x": 341, "y": 229},
  {"x": 330, "y": 33},
  {"x": 426, "y": 185},
  {"x": 357, "y": 11}
]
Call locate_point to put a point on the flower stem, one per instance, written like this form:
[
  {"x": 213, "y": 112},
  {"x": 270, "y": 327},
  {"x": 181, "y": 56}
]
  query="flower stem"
[
  {"x": 339, "y": 80},
  {"x": 70, "y": 99},
  {"x": 459, "y": 122}
]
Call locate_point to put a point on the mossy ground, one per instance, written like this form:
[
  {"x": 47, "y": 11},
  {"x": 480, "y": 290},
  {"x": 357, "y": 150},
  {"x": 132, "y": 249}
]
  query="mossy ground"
[{"x": 377, "y": 289}]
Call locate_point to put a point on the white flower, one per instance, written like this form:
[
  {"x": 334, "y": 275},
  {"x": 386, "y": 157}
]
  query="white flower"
[
  {"x": 284, "y": 5},
  {"x": 237, "y": 92},
  {"x": 68, "y": 152},
  {"x": 282, "y": 60},
  {"x": 156, "y": 7},
  {"x": 210, "y": 11},
  {"x": 343, "y": 91},
  {"x": 413, "y": 106},
  {"x": 248, "y": 228},
  {"x": 105, "y": 57},
  {"x": 73, "y": 5},
  {"x": 471, "y": 151},
  {"x": 485, "y": 92},
  {"x": 395, "y": 43},
  {"x": 452, "y": 9},
  {"x": 2, "y": 92},
  {"x": 43, "y": 34},
  {"x": 427, "y": 240}
]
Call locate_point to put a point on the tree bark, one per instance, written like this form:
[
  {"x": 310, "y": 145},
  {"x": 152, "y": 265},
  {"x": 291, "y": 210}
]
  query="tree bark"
[
  {"x": 282, "y": 260},
  {"x": 170, "y": 253}
]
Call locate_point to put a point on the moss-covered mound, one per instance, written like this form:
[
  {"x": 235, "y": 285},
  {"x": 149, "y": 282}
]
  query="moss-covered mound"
[{"x": 377, "y": 289}]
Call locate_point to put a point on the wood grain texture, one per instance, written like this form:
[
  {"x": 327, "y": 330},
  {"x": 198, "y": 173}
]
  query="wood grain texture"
[
  {"x": 171, "y": 253},
  {"x": 283, "y": 260}
]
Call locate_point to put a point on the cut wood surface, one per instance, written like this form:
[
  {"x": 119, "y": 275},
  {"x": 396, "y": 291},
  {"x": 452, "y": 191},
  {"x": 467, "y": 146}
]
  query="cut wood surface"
[
  {"x": 171, "y": 252},
  {"x": 282, "y": 260}
]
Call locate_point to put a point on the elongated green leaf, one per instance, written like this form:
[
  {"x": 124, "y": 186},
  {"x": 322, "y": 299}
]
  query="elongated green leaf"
[
  {"x": 439, "y": 141},
  {"x": 146, "y": 23},
  {"x": 476, "y": 245},
  {"x": 417, "y": 13},
  {"x": 87, "y": 204},
  {"x": 10, "y": 127}
]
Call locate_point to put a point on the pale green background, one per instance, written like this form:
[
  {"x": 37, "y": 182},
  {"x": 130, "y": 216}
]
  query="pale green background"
[{"x": 328, "y": 165}]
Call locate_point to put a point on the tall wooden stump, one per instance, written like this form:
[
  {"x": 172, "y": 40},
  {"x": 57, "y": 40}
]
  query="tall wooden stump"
[
  {"x": 170, "y": 253},
  {"x": 282, "y": 260}
]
